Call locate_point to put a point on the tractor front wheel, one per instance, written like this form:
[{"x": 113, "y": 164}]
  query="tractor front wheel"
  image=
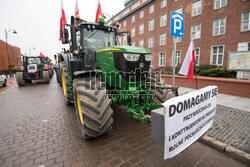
[
  {"x": 66, "y": 84},
  {"x": 93, "y": 107},
  {"x": 46, "y": 77},
  {"x": 19, "y": 79}
]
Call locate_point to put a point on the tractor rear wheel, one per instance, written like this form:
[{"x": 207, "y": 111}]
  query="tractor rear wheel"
[
  {"x": 46, "y": 77},
  {"x": 66, "y": 84},
  {"x": 19, "y": 79},
  {"x": 93, "y": 107},
  {"x": 160, "y": 95}
]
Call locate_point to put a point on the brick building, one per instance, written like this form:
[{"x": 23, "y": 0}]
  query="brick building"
[{"x": 216, "y": 26}]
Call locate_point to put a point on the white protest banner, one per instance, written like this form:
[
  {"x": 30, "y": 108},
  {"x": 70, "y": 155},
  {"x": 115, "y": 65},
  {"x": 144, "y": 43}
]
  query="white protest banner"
[{"x": 187, "y": 118}]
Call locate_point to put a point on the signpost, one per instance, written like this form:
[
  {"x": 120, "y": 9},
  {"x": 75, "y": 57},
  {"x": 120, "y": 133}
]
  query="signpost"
[
  {"x": 176, "y": 30},
  {"x": 187, "y": 118}
]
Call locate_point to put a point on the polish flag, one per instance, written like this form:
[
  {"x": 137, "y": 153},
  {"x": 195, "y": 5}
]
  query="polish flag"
[
  {"x": 76, "y": 9},
  {"x": 62, "y": 19},
  {"x": 98, "y": 12},
  {"x": 42, "y": 55},
  {"x": 187, "y": 66}
]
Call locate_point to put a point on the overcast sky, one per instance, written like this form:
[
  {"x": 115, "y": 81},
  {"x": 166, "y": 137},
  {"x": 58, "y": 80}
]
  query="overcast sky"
[{"x": 37, "y": 21}]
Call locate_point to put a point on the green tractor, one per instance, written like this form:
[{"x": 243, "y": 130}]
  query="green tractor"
[{"x": 96, "y": 73}]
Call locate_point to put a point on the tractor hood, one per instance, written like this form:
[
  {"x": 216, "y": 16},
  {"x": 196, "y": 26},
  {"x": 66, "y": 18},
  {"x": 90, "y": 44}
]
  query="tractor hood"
[{"x": 125, "y": 49}]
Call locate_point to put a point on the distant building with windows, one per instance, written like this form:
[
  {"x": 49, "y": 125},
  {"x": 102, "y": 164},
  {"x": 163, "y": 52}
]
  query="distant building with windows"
[{"x": 216, "y": 26}]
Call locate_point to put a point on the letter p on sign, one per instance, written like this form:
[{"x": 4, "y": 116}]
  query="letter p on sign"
[{"x": 177, "y": 24}]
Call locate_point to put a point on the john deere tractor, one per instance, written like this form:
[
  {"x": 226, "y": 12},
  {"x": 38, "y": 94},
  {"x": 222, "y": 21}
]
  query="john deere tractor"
[
  {"x": 32, "y": 68},
  {"x": 96, "y": 72}
]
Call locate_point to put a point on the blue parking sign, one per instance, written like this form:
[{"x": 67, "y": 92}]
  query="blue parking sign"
[{"x": 177, "y": 24}]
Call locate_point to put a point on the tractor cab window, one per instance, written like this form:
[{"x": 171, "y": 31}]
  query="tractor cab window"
[
  {"x": 34, "y": 60},
  {"x": 95, "y": 40}
]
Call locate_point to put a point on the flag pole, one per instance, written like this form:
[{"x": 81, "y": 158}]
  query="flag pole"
[{"x": 196, "y": 85}]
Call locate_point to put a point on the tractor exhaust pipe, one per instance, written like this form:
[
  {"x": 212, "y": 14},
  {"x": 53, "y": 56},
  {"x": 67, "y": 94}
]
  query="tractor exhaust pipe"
[{"x": 73, "y": 35}]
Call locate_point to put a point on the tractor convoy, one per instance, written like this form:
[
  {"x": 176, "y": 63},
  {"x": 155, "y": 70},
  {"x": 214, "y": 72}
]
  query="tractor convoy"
[
  {"x": 34, "y": 68},
  {"x": 96, "y": 72}
]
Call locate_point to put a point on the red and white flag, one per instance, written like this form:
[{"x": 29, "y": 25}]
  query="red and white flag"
[
  {"x": 62, "y": 19},
  {"x": 42, "y": 55},
  {"x": 76, "y": 9},
  {"x": 187, "y": 66},
  {"x": 98, "y": 12}
]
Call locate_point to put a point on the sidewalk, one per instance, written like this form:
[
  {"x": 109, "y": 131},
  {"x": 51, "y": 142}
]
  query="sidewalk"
[{"x": 231, "y": 123}]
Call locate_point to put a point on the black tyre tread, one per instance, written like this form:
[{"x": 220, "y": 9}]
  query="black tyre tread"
[
  {"x": 5, "y": 83},
  {"x": 161, "y": 95},
  {"x": 97, "y": 114},
  {"x": 19, "y": 79},
  {"x": 46, "y": 77},
  {"x": 68, "y": 98}
]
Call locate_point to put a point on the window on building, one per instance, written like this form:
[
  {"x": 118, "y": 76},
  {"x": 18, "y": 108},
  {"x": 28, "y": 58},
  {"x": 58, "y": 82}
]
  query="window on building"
[
  {"x": 197, "y": 56},
  {"x": 219, "y": 26},
  {"x": 151, "y": 25},
  {"x": 125, "y": 39},
  {"x": 163, "y": 3},
  {"x": 196, "y": 31},
  {"x": 162, "y": 39},
  {"x": 141, "y": 29},
  {"x": 135, "y": 5},
  {"x": 162, "y": 59},
  {"x": 133, "y": 19},
  {"x": 132, "y": 32},
  {"x": 120, "y": 26},
  {"x": 141, "y": 43},
  {"x": 163, "y": 20},
  {"x": 151, "y": 42},
  {"x": 124, "y": 23},
  {"x": 217, "y": 55},
  {"x": 196, "y": 8},
  {"x": 220, "y": 4},
  {"x": 143, "y": 1},
  {"x": 177, "y": 57},
  {"x": 133, "y": 44},
  {"x": 178, "y": 10},
  {"x": 151, "y": 9},
  {"x": 151, "y": 60},
  {"x": 141, "y": 14},
  {"x": 245, "y": 21}
]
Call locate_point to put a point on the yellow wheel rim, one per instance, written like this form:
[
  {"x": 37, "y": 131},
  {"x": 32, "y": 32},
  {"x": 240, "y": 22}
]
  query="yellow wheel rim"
[
  {"x": 63, "y": 84},
  {"x": 79, "y": 108}
]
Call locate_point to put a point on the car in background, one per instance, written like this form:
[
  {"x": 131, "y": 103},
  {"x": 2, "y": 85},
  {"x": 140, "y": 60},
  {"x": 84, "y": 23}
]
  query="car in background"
[{"x": 3, "y": 80}]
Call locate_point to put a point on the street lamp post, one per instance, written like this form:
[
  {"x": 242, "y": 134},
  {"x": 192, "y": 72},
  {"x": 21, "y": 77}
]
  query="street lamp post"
[{"x": 7, "y": 48}]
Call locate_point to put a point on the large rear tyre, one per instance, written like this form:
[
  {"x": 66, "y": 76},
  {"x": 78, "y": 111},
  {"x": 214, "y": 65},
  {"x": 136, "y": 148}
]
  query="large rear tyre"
[
  {"x": 68, "y": 97},
  {"x": 160, "y": 95},
  {"x": 46, "y": 77},
  {"x": 19, "y": 79},
  {"x": 93, "y": 107}
]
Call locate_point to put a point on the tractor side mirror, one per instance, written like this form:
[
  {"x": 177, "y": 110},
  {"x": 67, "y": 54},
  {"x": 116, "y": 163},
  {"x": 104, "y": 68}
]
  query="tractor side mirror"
[
  {"x": 65, "y": 36},
  {"x": 129, "y": 40}
]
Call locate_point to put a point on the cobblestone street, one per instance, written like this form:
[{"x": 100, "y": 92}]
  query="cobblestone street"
[
  {"x": 37, "y": 128},
  {"x": 232, "y": 126}
]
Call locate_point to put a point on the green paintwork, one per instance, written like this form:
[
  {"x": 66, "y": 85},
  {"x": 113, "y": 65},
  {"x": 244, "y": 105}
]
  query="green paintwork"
[{"x": 133, "y": 95}]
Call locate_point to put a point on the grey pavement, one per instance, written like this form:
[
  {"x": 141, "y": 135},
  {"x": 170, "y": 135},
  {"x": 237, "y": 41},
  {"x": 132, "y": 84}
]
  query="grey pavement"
[
  {"x": 237, "y": 102},
  {"x": 37, "y": 128},
  {"x": 232, "y": 120}
]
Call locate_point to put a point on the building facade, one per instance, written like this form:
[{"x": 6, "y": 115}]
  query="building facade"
[{"x": 216, "y": 26}]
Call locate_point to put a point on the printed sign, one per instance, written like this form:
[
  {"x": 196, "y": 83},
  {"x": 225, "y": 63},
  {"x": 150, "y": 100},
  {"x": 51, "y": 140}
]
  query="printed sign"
[
  {"x": 177, "y": 24},
  {"x": 187, "y": 118}
]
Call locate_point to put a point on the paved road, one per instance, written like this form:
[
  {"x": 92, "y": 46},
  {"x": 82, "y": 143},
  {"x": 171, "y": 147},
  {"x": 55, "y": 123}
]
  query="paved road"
[
  {"x": 37, "y": 128},
  {"x": 232, "y": 126}
]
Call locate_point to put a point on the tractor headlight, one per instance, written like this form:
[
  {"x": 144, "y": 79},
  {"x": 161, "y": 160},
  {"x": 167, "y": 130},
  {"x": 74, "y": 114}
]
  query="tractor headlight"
[
  {"x": 131, "y": 56},
  {"x": 148, "y": 57}
]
